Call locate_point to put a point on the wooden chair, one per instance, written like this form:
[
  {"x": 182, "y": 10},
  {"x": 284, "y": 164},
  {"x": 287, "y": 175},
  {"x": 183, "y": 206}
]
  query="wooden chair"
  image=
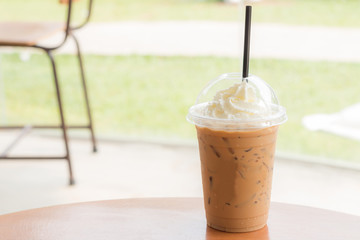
[{"x": 28, "y": 35}]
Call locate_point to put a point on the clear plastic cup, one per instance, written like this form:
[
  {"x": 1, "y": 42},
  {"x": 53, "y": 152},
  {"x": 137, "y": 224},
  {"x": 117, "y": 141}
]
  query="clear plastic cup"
[{"x": 237, "y": 157}]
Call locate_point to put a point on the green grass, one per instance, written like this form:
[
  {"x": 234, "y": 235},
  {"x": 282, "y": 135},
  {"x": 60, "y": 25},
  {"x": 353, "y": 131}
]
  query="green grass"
[
  {"x": 301, "y": 12},
  {"x": 149, "y": 96}
]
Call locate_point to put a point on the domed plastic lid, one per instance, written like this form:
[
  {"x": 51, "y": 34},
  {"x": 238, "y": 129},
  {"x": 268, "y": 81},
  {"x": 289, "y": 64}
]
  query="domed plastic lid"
[{"x": 231, "y": 102}]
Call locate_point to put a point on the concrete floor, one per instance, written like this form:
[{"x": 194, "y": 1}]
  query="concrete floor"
[
  {"x": 133, "y": 169},
  {"x": 211, "y": 38}
]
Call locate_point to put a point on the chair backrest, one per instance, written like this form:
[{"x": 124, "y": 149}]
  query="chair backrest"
[
  {"x": 69, "y": 27},
  {"x": 88, "y": 15}
]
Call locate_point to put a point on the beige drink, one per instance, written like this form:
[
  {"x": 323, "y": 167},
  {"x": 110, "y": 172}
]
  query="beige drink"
[
  {"x": 236, "y": 174},
  {"x": 237, "y": 133}
]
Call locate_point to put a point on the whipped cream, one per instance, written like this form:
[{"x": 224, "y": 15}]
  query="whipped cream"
[{"x": 240, "y": 101}]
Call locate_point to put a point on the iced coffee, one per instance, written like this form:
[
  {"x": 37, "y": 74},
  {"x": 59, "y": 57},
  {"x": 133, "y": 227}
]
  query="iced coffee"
[{"x": 237, "y": 133}]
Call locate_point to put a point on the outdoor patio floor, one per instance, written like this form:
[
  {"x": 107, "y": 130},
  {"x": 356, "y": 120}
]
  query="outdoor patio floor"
[{"x": 134, "y": 169}]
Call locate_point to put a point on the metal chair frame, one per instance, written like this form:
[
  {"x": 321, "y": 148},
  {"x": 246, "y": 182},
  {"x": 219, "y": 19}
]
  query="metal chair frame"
[{"x": 63, "y": 126}]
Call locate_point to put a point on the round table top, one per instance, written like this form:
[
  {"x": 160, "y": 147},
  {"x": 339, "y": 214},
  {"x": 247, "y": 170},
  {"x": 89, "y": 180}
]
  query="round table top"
[{"x": 168, "y": 218}]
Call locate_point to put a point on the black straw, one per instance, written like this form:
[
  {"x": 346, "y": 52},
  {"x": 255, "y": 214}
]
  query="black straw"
[{"x": 247, "y": 42}]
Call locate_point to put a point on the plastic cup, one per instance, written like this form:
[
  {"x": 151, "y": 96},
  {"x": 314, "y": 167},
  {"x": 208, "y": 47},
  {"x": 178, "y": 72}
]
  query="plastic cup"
[{"x": 237, "y": 158}]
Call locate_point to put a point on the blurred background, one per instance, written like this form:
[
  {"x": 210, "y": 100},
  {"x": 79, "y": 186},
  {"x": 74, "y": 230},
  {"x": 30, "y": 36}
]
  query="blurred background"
[{"x": 147, "y": 60}]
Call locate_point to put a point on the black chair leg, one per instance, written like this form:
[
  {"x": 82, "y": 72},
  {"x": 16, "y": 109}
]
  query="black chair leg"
[
  {"x": 63, "y": 125},
  {"x": 89, "y": 115}
]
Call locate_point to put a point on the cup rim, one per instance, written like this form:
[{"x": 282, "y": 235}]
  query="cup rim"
[{"x": 200, "y": 120}]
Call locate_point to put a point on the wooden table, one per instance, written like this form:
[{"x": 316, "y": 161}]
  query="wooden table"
[{"x": 170, "y": 219}]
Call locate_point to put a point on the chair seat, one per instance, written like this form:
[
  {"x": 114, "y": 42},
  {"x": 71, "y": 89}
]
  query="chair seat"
[{"x": 27, "y": 33}]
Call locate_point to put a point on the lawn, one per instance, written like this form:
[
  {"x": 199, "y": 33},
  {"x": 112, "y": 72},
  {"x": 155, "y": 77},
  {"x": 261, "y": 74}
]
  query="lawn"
[
  {"x": 301, "y": 12},
  {"x": 149, "y": 96}
]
